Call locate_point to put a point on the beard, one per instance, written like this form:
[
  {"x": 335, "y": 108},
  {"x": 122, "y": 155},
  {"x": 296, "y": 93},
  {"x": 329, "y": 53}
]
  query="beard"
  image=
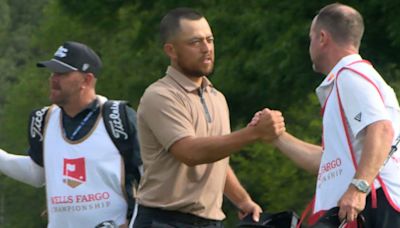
[
  {"x": 198, "y": 72},
  {"x": 59, "y": 99}
]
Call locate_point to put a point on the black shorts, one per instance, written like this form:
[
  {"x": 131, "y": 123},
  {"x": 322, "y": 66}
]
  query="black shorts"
[
  {"x": 156, "y": 218},
  {"x": 384, "y": 216}
]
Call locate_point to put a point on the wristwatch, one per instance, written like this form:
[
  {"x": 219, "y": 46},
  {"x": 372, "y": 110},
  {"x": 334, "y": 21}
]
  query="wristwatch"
[{"x": 361, "y": 185}]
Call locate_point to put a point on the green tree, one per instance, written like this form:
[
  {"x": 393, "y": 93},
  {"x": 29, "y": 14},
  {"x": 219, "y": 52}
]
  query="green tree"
[
  {"x": 261, "y": 61},
  {"x": 20, "y": 204}
]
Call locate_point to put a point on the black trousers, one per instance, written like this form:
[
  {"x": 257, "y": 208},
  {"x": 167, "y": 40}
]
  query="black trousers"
[
  {"x": 384, "y": 216},
  {"x": 148, "y": 217}
]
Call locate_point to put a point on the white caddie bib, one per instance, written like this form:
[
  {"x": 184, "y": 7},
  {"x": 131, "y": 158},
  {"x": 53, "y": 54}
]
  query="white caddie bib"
[
  {"x": 83, "y": 179},
  {"x": 341, "y": 149},
  {"x": 336, "y": 169}
]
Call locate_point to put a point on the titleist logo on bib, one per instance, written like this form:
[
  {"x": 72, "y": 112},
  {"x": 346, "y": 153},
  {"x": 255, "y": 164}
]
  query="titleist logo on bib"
[
  {"x": 116, "y": 122},
  {"x": 36, "y": 124}
]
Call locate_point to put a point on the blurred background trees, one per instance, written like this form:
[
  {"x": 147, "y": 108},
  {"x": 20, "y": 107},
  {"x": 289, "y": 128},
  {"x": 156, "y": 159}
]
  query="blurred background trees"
[{"x": 261, "y": 61}]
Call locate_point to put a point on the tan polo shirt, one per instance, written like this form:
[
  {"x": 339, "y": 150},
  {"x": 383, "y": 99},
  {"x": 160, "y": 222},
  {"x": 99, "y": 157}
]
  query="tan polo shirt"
[{"x": 169, "y": 110}]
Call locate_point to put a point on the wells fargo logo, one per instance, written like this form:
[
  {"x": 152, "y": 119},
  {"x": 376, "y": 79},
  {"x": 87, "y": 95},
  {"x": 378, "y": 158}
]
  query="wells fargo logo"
[
  {"x": 74, "y": 172},
  {"x": 329, "y": 171}
]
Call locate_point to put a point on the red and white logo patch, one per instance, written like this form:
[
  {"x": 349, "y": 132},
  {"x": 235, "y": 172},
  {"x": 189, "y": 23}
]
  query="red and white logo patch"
[{"x": 74, "y": 172}]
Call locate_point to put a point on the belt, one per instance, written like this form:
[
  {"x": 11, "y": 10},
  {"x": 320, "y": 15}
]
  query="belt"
[{"x": 166, "y": 215}]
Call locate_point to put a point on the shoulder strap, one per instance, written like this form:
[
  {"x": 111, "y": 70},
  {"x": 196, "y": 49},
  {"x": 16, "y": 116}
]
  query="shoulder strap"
[
  {"x": 346, "y": 128},
  {"x": 124, "y": 138},
  {"x": 37, "y": 121},
  {"x": 121, "y": 132},
  {"x": 116, "y": 122},
  {"x": 363, "y": 76}
]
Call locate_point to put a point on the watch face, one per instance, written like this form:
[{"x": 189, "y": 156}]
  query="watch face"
[
  {"x": 364, "y": 185},
  {"x": 361, "y": 185}
]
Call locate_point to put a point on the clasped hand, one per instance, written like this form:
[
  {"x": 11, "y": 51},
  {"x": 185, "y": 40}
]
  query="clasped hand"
[{"x": 268, "y": 123}]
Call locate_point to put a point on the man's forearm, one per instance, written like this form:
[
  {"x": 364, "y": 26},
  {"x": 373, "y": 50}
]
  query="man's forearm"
[
  {"x": 305, "y": 155},
  {"x": 21, "y": 168},
  {"x": 234, "y": 191},
  {"x": 377, "y": 144},
  {"x": 200, "y": 150}
]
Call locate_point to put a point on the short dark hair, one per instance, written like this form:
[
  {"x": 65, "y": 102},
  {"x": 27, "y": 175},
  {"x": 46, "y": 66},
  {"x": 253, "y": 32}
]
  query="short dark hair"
[
  {"x": 345, "y": 26},
  {"x": 169, "y": 25}
]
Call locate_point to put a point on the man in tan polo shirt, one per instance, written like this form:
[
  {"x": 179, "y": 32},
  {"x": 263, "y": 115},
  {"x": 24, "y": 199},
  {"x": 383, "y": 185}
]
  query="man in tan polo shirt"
[{"x": 185, "y": 135}]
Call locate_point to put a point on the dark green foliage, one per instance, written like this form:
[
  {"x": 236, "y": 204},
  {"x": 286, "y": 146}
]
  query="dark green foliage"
[{"x": 261, "y": 61}]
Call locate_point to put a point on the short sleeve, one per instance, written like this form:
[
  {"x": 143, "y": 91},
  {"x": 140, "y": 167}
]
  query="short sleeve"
[
  {"x": 167, "y": 115},
  {"x": 361, "y": 100}
]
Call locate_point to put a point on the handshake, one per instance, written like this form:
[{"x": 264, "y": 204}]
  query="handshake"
[{"x": 267, "y": 124}]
